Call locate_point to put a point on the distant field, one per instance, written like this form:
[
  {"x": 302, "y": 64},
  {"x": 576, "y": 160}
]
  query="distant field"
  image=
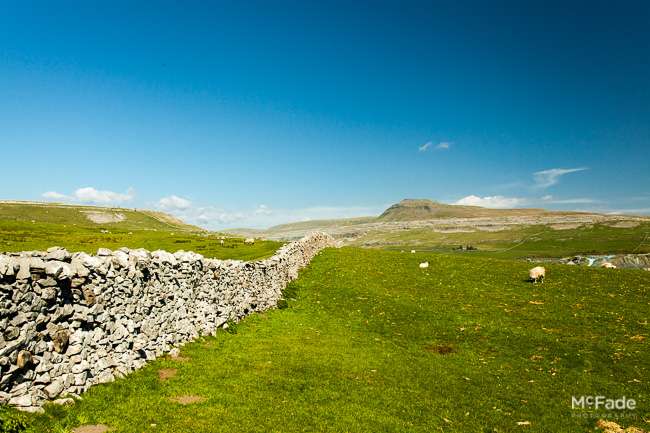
[
  {"x": 516, "y": 233},
  {"x": 528, "y": 241},
  {"x": 38, "y": 227},
  {"x": 372, "y": 343},
  {"x": 82, "y": 216}
]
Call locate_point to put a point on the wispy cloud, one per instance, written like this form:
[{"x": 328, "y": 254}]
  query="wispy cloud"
[
  {"x": 174, "y": 202},
  {"x": 443, "y": 145},
  {"x": 263, "y": 210},
  {"x": 578, "y": 200},
  {"x": 495, "y": 201},
  {"x": 90, "y": 194},
  {"x": 503, "y": 202},
  {"x": 53, "y": 195},
  {"x": 550, "y": 177},
  {"x": 638, "y": 211}
]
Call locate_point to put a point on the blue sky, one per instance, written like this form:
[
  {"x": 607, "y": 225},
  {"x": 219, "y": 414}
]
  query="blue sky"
[{"x": 256, "y": 113}]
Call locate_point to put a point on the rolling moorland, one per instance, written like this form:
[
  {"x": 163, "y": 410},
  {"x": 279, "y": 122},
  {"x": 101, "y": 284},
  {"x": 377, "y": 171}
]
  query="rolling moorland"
[{"x": 368, "y": 341}]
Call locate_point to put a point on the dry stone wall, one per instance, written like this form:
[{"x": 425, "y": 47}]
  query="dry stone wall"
[{"x": 70, "y": 321}]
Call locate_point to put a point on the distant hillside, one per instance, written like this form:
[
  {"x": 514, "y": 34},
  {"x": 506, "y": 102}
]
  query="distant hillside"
[
  {"x": 425, "y": 222},
  {"x": 422, "y": 209},
  {"x": 294, "y": 231},
  {"x": 315, "y": 224},
  {"x": 26, "y": 226},
  {"x": 90, "y": 216},
  {"x": 407, "y": 210}
]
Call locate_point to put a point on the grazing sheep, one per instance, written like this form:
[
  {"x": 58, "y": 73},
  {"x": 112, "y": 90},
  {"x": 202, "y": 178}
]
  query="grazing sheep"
[
  {"x": 608, "y": 265},
  {"x": 249, "y": 241},
  {"x": 424, "y": 265},
  {"x": 537, "y": 274},
  {"x": 412, "y": 251}
]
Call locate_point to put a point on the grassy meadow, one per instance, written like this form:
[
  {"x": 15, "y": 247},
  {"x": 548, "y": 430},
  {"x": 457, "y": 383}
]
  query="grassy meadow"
[
  {"x": 521, "y": 241},
  {"x": 26, "y": 227},
  {"x": 371, "y": 343}
]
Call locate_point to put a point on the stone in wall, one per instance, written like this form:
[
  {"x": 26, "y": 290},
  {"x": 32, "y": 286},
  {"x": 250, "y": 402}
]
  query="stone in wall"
[{"x": 70, "y": 321}]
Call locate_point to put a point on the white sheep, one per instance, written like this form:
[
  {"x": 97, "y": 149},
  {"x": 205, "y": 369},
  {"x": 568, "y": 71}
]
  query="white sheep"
[
  {"x": 221, "y": 242},
  {"x": 537, "y": 274},
  {"x": 608, "y": 265},
  {"x": 412, "y": 251},
  {"x": 249, "y": 241},
  {"x": 424, "y": 265}
]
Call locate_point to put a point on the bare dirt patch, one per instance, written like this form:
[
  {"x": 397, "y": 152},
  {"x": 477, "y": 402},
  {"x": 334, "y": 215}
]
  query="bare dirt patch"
[
  {"x": 187, "y": 399},
  {"x": 440, "y": 349},
  {"x": 166, "y": 373},
  {"x": 104, "y": 217},
  {"x": 94, "y": 428}
]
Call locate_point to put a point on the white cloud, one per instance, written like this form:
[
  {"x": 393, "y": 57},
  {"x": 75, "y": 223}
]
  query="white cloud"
[
  {"x": 53, "y": 195},
  {"x": 495, "y": 201},
  {"x": 91, "y": 195},
  {"x": 263, "y": 210},
  {"x": 578, "y": 200},
  {"x": 213, "y": 217},
  {"x": 174, "y": 202},
  {"x": 550, "y": 177},
  {"x": 501, "y": 202},
  {"x": 443, "y": 145}
]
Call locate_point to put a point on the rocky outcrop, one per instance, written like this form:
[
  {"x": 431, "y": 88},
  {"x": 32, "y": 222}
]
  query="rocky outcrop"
[
  {"x": 70, "y": 321},
  {"x": 623, "y": 261},
  {"x": 633, "y": 261}
]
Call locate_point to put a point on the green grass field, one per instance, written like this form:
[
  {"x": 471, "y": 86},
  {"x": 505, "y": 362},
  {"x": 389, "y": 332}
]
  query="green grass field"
[
  {"x": 77, "y": 216},
  {"x": 37, "y": 227},
  {"x": 372, "y": 343},
  {"x": 523, "y": 241}
]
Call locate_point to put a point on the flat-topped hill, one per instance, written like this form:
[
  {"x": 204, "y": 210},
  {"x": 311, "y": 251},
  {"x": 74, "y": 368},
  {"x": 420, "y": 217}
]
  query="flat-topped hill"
[{"x": 423, "y": 209}]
